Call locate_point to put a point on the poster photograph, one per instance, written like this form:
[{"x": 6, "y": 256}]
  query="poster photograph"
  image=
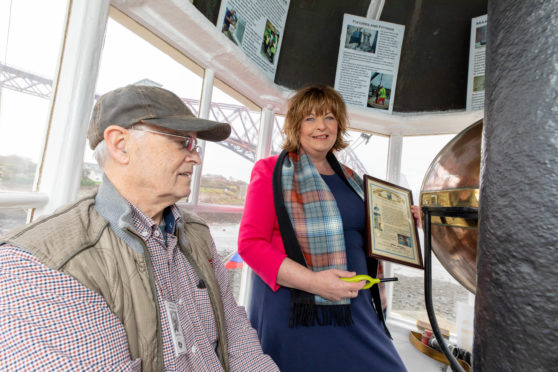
[
  {"x": 381, "y": 87},
  {"x": 390, "y": 227},
  {"x": 270, "y": 41},
  {"x": 361, "y": 38},
  {"x": 256, "y": 27},
  {"x": 480, "y": 36},
  {"x": 233, "y": 26},
  {"x": 368, "y": 62}
]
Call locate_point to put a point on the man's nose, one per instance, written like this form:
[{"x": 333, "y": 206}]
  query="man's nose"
[{"x": 194, "y": 157}]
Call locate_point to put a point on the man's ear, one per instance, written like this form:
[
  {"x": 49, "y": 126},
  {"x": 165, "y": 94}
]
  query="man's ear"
[{"x": 116, "y": 139}]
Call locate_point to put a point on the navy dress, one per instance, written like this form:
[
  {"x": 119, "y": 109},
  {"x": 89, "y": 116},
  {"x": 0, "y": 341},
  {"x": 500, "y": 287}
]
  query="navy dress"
[{"x": 363, "y": 346}]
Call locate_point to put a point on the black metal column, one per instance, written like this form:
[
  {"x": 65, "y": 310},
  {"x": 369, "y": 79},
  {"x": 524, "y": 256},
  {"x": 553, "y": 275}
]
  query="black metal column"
[{"x": 516, "y": 308}]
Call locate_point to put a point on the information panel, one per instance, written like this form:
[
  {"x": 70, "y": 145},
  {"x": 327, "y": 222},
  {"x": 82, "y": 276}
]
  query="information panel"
[
  {"x": 368, "y": 62},
  {"x": 256, "y": 26},
  {"x": 477, "y": 62}
]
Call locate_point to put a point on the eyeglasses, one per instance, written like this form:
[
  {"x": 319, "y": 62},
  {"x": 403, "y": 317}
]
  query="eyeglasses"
[{"x": 190, "y": 143}]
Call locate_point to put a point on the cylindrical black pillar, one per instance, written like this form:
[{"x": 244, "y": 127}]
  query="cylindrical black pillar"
[{"x": 516, "y": 310}]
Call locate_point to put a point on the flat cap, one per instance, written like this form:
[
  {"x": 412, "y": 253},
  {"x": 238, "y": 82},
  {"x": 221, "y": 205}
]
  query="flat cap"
[{"x": 133, "y": 104}]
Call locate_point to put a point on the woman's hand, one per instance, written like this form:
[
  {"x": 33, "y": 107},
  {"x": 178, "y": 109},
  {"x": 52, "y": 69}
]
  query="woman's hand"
[
  {"x": 415, "y": 209},
  {"x": 328, "y": 284},
  {"x": 325, "y": 283}
]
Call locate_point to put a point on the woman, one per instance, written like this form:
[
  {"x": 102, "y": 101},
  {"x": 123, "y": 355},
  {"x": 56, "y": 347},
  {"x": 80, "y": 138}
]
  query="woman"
[{"x": 302, "y": 230}]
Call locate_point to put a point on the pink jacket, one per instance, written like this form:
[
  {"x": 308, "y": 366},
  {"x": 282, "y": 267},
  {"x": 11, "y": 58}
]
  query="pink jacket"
[{"x": 259, "y": 241}]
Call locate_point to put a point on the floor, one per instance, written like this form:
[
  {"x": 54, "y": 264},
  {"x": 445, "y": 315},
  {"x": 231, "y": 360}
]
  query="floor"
[{"x": 414, "y": 360}]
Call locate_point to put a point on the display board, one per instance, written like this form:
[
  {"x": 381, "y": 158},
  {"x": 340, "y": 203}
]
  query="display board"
[
  {"x": 257, "y": 28},
  {"x": 477, "y": 62},
  {"x": 368, "y": 62}
]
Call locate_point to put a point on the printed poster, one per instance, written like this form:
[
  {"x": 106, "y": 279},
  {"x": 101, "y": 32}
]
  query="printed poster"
[
  {"x": 368, "y": 62},
  {"x": 257, "y": 28},
  {"x": 477, "y": 62}
]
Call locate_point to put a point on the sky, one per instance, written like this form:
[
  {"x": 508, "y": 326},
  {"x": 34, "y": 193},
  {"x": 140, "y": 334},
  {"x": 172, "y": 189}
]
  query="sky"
[{"x": 23, "y": 117}]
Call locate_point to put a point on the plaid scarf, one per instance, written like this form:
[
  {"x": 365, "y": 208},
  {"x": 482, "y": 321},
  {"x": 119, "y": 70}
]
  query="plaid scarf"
[{"x": 312, "y": 231}]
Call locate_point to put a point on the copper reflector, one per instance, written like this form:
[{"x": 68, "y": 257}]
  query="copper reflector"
[{"x": 452, "y": 180}]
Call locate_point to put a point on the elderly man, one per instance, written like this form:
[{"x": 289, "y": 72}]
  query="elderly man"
[{"x": 124, "y": 279}]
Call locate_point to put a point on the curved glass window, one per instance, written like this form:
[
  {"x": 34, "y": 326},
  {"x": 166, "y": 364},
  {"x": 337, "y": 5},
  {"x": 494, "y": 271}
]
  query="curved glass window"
[
  {"x": 408, "y": 294},
  {"x": 28, "y": 61},
  {"x": 130, "y": 59}
]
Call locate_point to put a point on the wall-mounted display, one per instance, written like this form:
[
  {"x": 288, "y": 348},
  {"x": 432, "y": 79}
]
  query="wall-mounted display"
[
  {"x": 257, "y": 28},
  {"x": 477, "y": 53},
  {"x": 368, "y": 62}
]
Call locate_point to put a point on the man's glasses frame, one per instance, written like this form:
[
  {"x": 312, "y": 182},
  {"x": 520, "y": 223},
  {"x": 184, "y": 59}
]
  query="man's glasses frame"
[{"x": 190, "y": 143}]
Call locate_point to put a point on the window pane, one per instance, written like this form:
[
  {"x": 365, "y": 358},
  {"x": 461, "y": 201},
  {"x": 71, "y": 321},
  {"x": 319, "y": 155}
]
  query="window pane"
[
  {"x": 408, "y": 294},
  {"x": 366, "y": 154},
  {"x": 227, "y": 165},
  {"x": 277, "y": 136},
  {"x": 28, "y": 63},
  {"x": 128, "y": 59},
  {"x": 224, "y": 225},
  {"x": 11, "y": 218}
]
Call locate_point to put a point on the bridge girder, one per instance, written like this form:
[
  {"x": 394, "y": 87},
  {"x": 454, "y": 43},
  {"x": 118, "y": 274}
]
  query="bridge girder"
[{"x": 244, "y": 122}]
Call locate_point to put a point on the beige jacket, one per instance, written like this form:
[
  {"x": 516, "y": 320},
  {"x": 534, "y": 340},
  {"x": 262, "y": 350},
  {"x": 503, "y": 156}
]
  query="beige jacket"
[{"x": 94, "y": 241}]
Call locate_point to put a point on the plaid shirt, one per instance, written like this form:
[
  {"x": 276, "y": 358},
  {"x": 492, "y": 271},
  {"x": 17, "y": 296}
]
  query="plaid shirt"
[{"x": 66, "y": 326}]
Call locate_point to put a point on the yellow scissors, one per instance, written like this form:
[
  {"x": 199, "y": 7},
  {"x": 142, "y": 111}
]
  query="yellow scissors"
[{"x": 371, "y": 281}]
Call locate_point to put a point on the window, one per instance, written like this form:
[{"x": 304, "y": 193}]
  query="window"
[
  {"x": 226, "y": 170},
  {"x": 366, "y": 154},
  {"x": 130, "y": 59},
  {"x": 277, "y": 136},
  {"x": 10, "y": 218},
  {"x": 408, "y": 294},
  {"x": 28, "y": 62},
  {"x": 227, "y": 165}
]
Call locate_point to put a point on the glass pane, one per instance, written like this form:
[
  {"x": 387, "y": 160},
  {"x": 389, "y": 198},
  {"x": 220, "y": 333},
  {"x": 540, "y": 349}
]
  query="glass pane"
[
  {"x": 28, "y": 62},
  {"x": 277, "y": 137},
  {"x": 418, "y": 153},
  {"x": 129, "y": 59},
  {"x": 227, "y": 165},
  {"x": 11, "y": 218},
  {"x": 408, "y": 294},
  {"x": 366, "y": 154},
  {"x": 226, "y": 173},
  {"x": 224, "y": 225}
]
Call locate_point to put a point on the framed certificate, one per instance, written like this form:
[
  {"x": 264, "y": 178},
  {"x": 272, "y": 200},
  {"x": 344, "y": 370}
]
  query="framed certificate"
[{"x": 390, "y": 227}]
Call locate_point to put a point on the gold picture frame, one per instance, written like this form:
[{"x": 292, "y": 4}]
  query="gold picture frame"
[{"x": 391, "y": 230}]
